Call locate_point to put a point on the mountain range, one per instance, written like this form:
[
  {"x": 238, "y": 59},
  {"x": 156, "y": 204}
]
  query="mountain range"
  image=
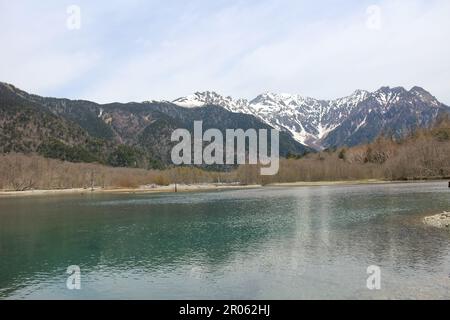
[
  {"x": 321, "y": 124},
  {"x": 117, "y": 134},
  {"x": 139, "y": 134}
]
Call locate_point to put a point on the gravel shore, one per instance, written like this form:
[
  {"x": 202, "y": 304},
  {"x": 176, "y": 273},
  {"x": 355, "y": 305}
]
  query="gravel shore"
[
  {"x": 142, "y": 189},
  {"x": 441, "y": 220}
]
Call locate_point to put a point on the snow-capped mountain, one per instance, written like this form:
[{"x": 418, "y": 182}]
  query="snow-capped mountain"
[
  {"x": 200, "y": 99},
  {"x": 320, "y": 124},
  {"x": 393, "y": 111}
]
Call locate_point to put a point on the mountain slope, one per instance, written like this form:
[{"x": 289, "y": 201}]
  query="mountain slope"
[
  {"x": 393, "y": 111},
  {"x": 27, "y": 127},
  {"x": 132, "y": 134},
  {"x": 352, "y": 120}
]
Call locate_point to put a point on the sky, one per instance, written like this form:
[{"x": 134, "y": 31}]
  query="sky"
[{"x": 139, "y": 50}]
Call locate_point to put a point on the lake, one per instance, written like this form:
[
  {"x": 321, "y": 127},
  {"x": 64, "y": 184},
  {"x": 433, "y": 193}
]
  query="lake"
[{"x": 268, "y": 243}]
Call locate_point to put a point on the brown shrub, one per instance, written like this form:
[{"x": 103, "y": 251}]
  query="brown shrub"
[{"x": 162, "y": 180}]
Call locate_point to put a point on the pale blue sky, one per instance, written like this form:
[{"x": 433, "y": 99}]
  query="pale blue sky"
[{"x": 142, "y": 50}]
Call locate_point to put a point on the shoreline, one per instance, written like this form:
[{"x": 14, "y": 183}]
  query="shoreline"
[
  {"x": 352, "y": 182},
  {"x": 183, "y": 188},
  {"x": 332, "y": 183}
]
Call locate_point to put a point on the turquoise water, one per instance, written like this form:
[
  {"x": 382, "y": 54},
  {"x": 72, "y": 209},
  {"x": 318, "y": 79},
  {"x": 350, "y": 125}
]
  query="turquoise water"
[{"x": 271, "y": 243}]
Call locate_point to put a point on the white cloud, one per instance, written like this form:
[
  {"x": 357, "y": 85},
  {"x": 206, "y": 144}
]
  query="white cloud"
[
  {"x": 240, "y": 49},
  {"x": 332, "y": 59},
  {"x": 35, "y": 53}
]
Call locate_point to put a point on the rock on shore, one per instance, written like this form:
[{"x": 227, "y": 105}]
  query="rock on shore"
[{"x": 441, "y": 220}]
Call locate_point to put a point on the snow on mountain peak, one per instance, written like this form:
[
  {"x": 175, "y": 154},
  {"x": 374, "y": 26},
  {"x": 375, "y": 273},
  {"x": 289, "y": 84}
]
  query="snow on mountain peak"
[
  {"x": 201, "y": 99},
  {"x": 424, "y": 96},
  {"x": 309, "y": 120}
]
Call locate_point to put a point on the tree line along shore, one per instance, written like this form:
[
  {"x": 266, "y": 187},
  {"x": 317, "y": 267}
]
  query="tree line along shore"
[{"x": 422, "y": 155}]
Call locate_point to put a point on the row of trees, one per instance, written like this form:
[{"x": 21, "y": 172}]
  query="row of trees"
[
  {"x": 25, "y": 172},
  {"x": 423, "y": 155}
]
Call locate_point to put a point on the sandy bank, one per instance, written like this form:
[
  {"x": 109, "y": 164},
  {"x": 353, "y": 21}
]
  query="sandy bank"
[
  {"x": 331, "y": 183},
  {"x": 143, "y": 189},
  {"x": 190, "y": 188}
]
